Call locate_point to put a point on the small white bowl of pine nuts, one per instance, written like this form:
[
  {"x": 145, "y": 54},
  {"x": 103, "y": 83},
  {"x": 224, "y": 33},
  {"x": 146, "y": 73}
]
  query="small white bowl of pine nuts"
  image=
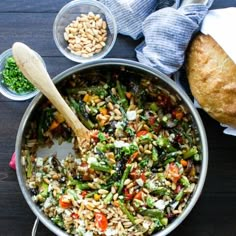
[{"x": 84, "y": 30}]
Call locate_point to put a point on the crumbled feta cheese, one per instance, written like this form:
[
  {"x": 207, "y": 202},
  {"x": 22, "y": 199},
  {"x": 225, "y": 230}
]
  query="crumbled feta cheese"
[
  {"x": 131, "y": 115},
  {"x": 23, "y": 162},
  {"x": 80, "y": 230},
  {"x": 190, "y": 188},
  {"x": 32, "y": 184},
  {"x": 59, "y": 210},
  {"x": 151, "y": 185},
  {"x": 68, "y": 212},
  {"x": 39, "y": 161},
  {"x": 171, "y": 137},
  {"x": 34, "y": 198},
  {"x": 49, "y": 161},
  {"x": 47, "y": 203},
  {"x": 92, "y": 160},
  {"x": 38, "y": 177},
  {"x": 120, "y": 144},
  {"x": 110, "y": 232},
  {"x": 50, "y": 187},
  {"x": 119, "y": 124},
  {"x": 96, "y": 180},
  {"x": 139, "y": 182},
  {"x": 160, "y": 204},
  {"x": 85, "y": 202},
  {"x": 88, "y": 233},
  {"x": 146, "y": 224},
  {"x": 78, "y": 161},
  {"x": 174, "y": 205}
]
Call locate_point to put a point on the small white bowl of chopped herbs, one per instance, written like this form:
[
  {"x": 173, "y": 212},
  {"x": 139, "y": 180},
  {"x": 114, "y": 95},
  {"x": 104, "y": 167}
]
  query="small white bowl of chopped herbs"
[{"x": 13, "y": 83}]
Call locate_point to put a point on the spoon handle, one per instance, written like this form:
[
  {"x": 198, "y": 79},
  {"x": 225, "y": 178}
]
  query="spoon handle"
[{"x": 35, "y": 72}]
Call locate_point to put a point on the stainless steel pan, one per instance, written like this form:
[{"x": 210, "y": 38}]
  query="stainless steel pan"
[{"x": 110, "y": 64}]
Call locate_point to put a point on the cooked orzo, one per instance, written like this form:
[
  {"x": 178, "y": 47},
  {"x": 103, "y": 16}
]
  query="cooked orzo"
[{"x": 142, "y": 166}]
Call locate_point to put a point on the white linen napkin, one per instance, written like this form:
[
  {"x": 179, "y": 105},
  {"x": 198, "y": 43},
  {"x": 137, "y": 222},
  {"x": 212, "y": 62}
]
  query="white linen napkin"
[{"x": 220, "y": 25}]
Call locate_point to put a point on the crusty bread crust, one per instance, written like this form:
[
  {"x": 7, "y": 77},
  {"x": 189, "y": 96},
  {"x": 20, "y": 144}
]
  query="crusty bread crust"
[{"x": 212, "y": 78}]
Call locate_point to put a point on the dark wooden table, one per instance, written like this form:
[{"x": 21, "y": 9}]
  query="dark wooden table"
[{"x": 31, "y": 22}]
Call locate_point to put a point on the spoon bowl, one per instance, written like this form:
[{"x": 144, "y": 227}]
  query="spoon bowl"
[{"x": 34, "y": 70}]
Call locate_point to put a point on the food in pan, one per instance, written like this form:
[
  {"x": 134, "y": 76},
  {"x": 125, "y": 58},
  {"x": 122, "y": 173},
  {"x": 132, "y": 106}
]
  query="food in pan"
[
  {"x": 212, "y": 77},
  {"x": 142, "y": 166}
]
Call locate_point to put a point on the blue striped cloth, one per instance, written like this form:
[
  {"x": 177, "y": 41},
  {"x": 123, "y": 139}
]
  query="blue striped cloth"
[
  {"x": 166, "y": 30},
  {"x": 130, "y": 14}
]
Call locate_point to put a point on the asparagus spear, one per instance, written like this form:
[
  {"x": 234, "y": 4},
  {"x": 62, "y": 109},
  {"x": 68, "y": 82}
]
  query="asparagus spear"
[
  {"x": 81, "y": 113},
  {"x": 124, "y": 177},
  {"x": 121, "y": 93}
]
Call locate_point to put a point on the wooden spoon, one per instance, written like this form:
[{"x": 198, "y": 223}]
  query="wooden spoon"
[{"x": 34, "y": 70}]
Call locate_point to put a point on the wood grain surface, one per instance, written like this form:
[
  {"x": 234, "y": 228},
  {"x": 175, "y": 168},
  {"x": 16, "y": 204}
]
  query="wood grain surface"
[{"x": 31, "y": 22}]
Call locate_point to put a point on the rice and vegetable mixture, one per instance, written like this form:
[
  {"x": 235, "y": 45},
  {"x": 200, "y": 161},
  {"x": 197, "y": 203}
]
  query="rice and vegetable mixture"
[{"x": 142, "y": 166}]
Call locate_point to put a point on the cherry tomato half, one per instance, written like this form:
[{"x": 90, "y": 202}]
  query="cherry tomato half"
[
  {"x": 74, "y": 215},
  {"x": 84, "y": 193},
  {"x": 101, "y": 221},
  {"x": 143, "y": 177},
  {"x": 128, "y": 196},
  {"x": 172, "y": 172},
  {"x": 138, "y": 195},
  {"x": 65, "y": 202},
  {"x": 141, "y": 133}
]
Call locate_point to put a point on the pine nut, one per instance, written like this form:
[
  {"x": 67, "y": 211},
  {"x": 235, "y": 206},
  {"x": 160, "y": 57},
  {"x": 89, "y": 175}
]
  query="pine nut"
[{"x": 86, "y": 35}]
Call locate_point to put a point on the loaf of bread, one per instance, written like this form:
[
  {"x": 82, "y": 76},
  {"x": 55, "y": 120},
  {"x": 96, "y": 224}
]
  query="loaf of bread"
[{"x": 212, "y": 78}]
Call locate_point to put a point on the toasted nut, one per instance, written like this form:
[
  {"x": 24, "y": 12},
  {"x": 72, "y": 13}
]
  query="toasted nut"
[
  {"x": 95, "y": 32},
  {"x": 104, "y": 25},
  {"x": 110, "y": 106},
  {"x": 103, "y": 44},
  {"x": 66, "y": 36},
  {"x": 103, "y": 191},
  {"x": 91, "y": 15},
  {"x": 86, "y": 34},
  {"x": 130, "y": 185},
  {"x": 97, "y": 17},
  {"x": 98, "y": 46},
  {"x": 117, "y": 112},
  {"x": 127, "y": 181},
  {"x": 73, "y": 30},
  {"x": 71, "y": 36},
  {"x": 118, "y": 118},
  {"x": 90, "y": 36},
  {"x": 98, "y": 50},
  {"x": 113, "y": 189},
  {"x": 76, "y": 53},
  {"x": 115, "y": 197},
  {"x": 85, "y": 55},
  {"x": 147, "y": 152},
  {"x": 88, "y": 49}
]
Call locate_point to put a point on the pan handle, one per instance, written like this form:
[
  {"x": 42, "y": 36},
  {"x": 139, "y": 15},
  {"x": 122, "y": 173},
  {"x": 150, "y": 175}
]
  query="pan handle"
[{"x": 35, "y": 227}]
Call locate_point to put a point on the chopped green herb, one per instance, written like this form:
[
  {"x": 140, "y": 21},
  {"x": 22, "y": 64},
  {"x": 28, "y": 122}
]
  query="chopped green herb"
[
  {"x": 14, "y": 79},
  {"x": 154, "y": 106},
  {"x": 101, "y": 136},
  {"x": 130, "y": 131}
]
